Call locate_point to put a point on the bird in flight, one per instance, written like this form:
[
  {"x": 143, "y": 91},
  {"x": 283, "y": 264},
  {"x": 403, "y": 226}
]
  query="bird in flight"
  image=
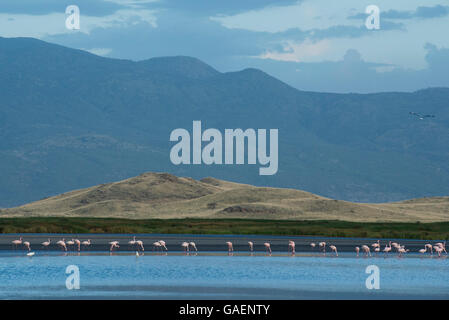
[{"x": 422, "y": 116}]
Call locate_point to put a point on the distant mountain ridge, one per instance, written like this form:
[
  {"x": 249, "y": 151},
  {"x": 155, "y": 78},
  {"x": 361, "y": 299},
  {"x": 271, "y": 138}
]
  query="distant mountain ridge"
[{"x": 70, "y": 120}]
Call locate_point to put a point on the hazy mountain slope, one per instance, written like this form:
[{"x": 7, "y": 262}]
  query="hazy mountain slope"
[
  {"x": 161, "y": 195},
  {"x": 70, "y": 119}
]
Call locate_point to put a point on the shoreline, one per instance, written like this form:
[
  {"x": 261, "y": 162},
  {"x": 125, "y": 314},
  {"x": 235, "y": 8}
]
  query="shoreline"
[{"x": 100, "y": 242}]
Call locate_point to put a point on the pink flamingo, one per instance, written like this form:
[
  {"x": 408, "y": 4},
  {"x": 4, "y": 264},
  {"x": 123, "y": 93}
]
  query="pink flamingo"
[
  {"x": 46, "y": 244},
  {"x": 376, "y": 244},
  {"x": 62, "y": 244},
  {"x": 132, "y": 242},
  {"x": 313, "y": 245},
  {"x": 157, "y": 245},
  {"x": 366, "y": 250},
  {"x": 230, "y": 247},
  {"x": 323, "y": 246},
  {"x": 429, "y": 246},
  {"x": 251, "y": 246},
  {"x": 334, "y": 249},
  {"x": 27, "y": 245},
  {"x": 267, "y": 247},
  {"x": 423, "y": 250},
  {"x": 86, "y": 244},
  {"x": 193, "y": 245},
  {"x": 139, "y": 244},
  {"x": 114, "y": 244},
  {"x": 438, "y": 250},
  {"x": 162, "y": 242},
  {"x": 387, "y": 248},
  {"x": 357, "y": 250},
  {"x": 78, "y": 244},
  {"x": 185, "y": 245},
  {"x": 70, "y": 243},
  {"x": 442, "y": 246},
  {"x": 291, "y": 246},
  {"x": 16, "y": 243}
]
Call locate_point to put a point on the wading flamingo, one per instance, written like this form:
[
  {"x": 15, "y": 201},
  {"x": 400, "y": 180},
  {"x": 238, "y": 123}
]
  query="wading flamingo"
[
  {"x": 357, "y": 250},
  {"x": 423, "y": 250},
  {"x": 162, "y": 242},
  {"x": 157, "y": 245},
  {"x": 185, "y": 245},
  {"x": 366, "y": 250},
  {"x": 114, "y": 244},
  {"x": 376, "y": 244},
  {"x": 312, "y": 245},
  {"x": 251, "y": 246},
  {"x": 27, "y": 245},
  {"x": 267, "y": 247},
  {"x": 291, "y": 246},
  {"x": 46, "y": 244},
  {"x": 230, "y": 247},
  {"x": 334, "y": 249},
  {"x": 86, "y": 244},
  {"x": 387, "y": 248},
  {"x": 16, "y": 243},
  {"x": 322, "y": 245},
  {"x": 193, "y": 245},
  {"x": 429, "y": 246},
  {"x": 139, "y": 244},
  {"x": 442, "y": 246},
  {"x": 132, "y": 242},
  {"x": 77, "y": 244},
  {"x": 438, "y": 250},
  {"x": 70, "y": 243},
  {"x": 62, "y": 244}
]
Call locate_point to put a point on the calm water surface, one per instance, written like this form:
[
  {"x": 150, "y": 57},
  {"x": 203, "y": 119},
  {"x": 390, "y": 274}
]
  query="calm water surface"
[{"x": 218, "y": 276}]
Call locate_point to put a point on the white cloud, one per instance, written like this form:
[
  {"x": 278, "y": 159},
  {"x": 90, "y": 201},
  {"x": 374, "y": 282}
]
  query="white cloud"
[
  {"x": 99, "y": 51},
  {"x": 39, "y": 26},
  {"x": 306, "y": 51}
]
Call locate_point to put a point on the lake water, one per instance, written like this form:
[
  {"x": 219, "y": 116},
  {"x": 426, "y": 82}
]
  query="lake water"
[{"x": 219, "y": 276}]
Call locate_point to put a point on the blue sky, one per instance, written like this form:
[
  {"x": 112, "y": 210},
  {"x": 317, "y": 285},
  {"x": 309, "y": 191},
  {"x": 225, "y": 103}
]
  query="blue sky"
[{"x": 318, "y": 45}]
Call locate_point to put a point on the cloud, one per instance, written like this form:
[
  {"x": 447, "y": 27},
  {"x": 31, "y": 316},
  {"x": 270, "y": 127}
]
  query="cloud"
[
  {"x": 298, "y": 52},
  {"x": 39, "y": 26}
]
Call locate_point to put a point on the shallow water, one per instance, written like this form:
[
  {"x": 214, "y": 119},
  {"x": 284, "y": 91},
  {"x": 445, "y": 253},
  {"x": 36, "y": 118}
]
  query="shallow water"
[{"x": 218, "y": 276}]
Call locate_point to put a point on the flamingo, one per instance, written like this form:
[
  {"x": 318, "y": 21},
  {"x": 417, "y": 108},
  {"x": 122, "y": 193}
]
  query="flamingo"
[
  {"x": 313, "y": 245},
  {"x": 366, "y": 250},
  {"x": 334, "y": 249},
  {"x": 387, "y": 248},
  {"x": 376, "y": 244},
  {"x": 139, "y": 243},
  {"x": 423, "y": 250},
  {"x": 291, "y": 245},
  {"x": 193, "y": 245},
  {"x": 251, "y": 246},
  {"x": 62, "y": 244},
  {"x": 357, "y": 250},
  {"x": 267, "y": 247},
  {"x": 27, "y": 245},
  {"x": 162, "y": 242},
  {"x": 15, "y": 243},
  {"x": 157, "y": 245},
  {"x": 46, "y": 244},
  {"x": 70, "y": 243},
  {"x": 429, "y": 246},
  {"x": 185, "y": 245},
  {"x": 86, "y": 244},
  {"x": 132, "y": 242},
  {"x": 230, "y": 247},
  {"x": 30, "y": 254},
  {"x": 438, "y": 250},
  {"x": 78, "y": 244},
  {"x": 323, "y": 246},
  {"x": 442, "y": 246},
  {"x": 114, "y": 244},
  {"x": 377, "y": 250}
]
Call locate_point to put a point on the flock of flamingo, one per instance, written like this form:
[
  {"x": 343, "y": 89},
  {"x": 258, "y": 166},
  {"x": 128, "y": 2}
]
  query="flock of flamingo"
[{"x": 76, "y": 244}]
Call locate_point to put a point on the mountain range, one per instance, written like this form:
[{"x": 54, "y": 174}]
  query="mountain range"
[{"x": 70, "y": 120}]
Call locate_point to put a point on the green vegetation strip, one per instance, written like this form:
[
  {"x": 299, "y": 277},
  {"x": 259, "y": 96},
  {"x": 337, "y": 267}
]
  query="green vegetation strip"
[{"x": 429, "y": 231}]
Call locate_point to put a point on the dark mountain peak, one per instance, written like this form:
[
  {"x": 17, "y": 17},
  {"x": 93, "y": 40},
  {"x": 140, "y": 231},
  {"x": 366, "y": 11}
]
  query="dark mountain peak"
[{"x": 184, "y": 66}]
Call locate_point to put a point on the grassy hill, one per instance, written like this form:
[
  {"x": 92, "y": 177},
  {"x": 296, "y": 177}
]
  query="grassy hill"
[{"x": 165, "y": 196}]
